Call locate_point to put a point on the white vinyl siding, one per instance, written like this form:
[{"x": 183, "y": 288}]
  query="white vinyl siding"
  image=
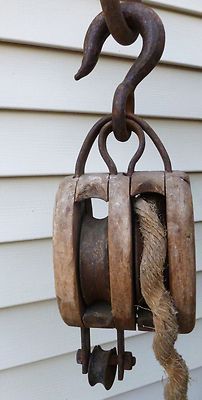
[
  {"x": 63, "y": 24},
  {"x": 61, "y": 377},
  {"x": 42, "y": 79},
  {"x": 44, "y": 117}
]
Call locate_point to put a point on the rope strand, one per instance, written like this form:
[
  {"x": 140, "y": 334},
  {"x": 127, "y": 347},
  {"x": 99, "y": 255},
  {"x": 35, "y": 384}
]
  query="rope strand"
[{"x": 160, "y": 301}]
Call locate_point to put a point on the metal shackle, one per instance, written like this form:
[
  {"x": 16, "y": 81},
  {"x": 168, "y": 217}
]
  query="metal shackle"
[{"x": 97, "y": 261}]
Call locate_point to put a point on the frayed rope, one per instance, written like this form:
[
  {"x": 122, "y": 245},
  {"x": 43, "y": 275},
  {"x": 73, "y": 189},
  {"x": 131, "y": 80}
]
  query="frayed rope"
[{"x": 160, "y": 301}]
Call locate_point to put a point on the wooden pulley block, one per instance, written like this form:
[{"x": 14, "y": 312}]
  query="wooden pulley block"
[
  {"x": 93, "y": 258},
  {"x": 97, "y": 261},
  {"x": 171, "y": 192}
]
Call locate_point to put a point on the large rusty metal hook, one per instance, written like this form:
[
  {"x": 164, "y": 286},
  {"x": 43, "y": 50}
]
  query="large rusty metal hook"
[
  {"x": 116, "y": 22},
  {"x": 153, "y": 35}
]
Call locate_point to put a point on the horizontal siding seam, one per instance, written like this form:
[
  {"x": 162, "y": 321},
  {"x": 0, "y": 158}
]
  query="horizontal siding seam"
[
  {"x": 27, "y": 303},
  {"x": 94, "y": 113},
  {"x": 46, "y": 299},
  {"x": 66, "y": 111},
  {"x": 50, "y": 298},
  {"x": 15, "y": 366},
  {"x": 107, "y": 54},
  {"x": 63, "y": 175},
  {"x": 145, "y": 385},
  {"x": 62, "y": 354},
  {"x": 171, "y": 7},
  {"x": 43, "y": 175}
]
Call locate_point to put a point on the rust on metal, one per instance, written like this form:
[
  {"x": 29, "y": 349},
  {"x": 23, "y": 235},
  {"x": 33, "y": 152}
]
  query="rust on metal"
[
  {"x": 101, "y": 370},
  {"x": 87, "y": 145},
  {"x": 152, "y": 31},
  {"x": 97, "y": 261},
  {"x": 106, "y": 130},
  {"x": 121, "y": 352},
  {"x": 99, "y": 315},
  {"x": 155, "y": 139},
  {"x": 94, "y": 263},
  {"x": 116, "y": 23},
  {"x": 129, "y": 360},
  {"x": 103, "y": 364},
  {"x": 85, "y": 349}
]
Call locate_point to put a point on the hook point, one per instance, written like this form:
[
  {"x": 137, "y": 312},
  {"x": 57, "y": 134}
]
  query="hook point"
[{"x": 77, "y": 76}]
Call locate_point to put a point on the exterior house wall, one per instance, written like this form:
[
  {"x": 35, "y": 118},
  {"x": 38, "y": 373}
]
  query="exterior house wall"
[{"x": 44, "y": 117}]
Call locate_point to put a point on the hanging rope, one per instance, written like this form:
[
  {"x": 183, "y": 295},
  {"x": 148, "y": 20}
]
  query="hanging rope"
[{"x": 159, "y": 300}]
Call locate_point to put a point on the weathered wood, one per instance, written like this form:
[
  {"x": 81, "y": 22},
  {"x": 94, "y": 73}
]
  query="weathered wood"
[
  {"x": 145, "y": 182},
  {"x": 65, "y": 245},
  {"x": 93, "y": 252},
  {"x": 120, "y": 252},
  {"x": 181, "y": 250},
  {"x": 92, "y": 186}
]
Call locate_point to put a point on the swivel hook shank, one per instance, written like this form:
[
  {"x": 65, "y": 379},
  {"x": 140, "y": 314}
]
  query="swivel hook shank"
[{"x": 152, "y": 32}]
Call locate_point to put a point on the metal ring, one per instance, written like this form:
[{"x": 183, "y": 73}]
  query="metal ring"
[
  {"x": 105, "y": 131},
  {"x": 116, "y": 22},
  {"x": 152, "y": 32}
]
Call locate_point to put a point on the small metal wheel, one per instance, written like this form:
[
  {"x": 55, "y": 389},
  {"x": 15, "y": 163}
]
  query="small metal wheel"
[{"x": 101, "y": 367}]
